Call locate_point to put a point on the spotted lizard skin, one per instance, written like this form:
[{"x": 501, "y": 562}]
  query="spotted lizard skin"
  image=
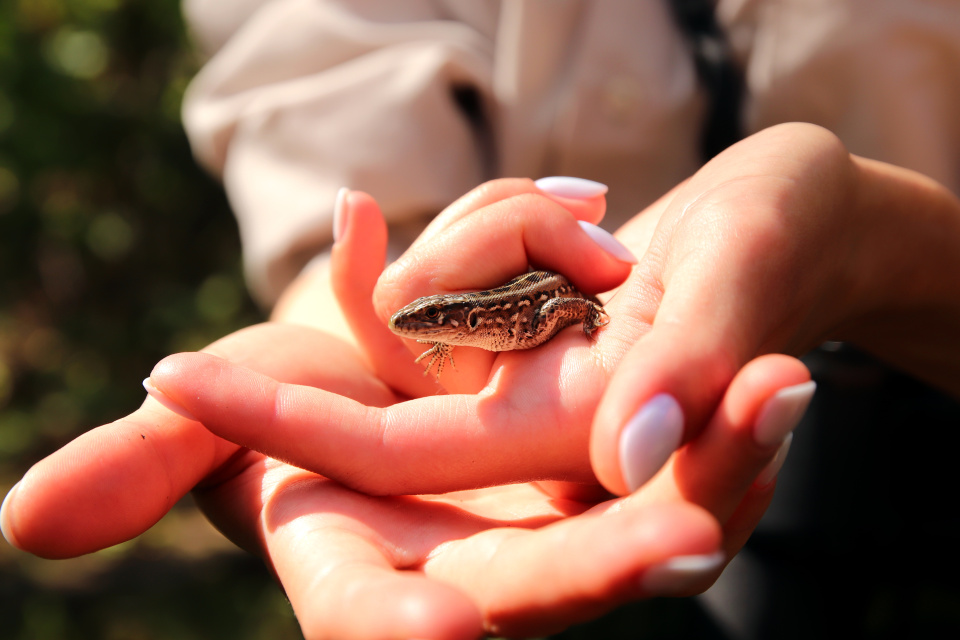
[{"x": 521, "y": 314}]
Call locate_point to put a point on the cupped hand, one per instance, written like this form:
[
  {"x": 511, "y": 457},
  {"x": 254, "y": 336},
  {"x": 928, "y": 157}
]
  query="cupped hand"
[{"x": 508, "y": 560}]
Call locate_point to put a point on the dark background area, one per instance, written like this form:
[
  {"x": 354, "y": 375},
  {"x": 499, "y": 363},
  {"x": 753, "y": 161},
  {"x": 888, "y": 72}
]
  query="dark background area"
[{"x": 115, "y": 250}]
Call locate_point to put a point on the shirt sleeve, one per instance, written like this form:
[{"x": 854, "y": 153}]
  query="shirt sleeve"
[
  {"x": 884, "y": 75},
  {"x": 302, "y": 97}
]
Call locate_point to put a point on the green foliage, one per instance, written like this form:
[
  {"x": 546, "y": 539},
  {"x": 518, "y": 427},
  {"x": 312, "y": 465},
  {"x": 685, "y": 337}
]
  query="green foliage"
[{"x": 115, "y": 250}]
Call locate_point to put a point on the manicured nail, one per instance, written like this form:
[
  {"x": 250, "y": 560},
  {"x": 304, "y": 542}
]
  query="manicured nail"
[
  {"x": 649, "y": 439},
  {"x": 4, "y": 517},
  {"x": 781, "y": 413},
  {"x": 569, "y": 187},
  {"x": 773, "y": 467},
  {"x": 339, "y": 213},
  {"x": 677, "y": 575},
  {"x": 163, "y": 399},
  {"x": 608, "y": 242}
]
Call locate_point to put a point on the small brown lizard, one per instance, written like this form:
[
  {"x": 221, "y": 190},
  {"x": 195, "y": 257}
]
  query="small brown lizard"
[{"x": 521, "y": 314}]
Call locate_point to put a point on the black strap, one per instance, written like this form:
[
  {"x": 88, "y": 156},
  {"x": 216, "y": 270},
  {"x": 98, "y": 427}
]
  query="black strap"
[{"x": 718, "y": 73}]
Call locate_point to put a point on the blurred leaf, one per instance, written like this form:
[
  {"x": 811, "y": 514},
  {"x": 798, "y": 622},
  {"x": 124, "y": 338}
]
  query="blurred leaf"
[
  {"x": 110, "y": 236},
  {"x": 82, "y": 54}
]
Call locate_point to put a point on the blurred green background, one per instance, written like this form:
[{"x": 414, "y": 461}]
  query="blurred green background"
[{"x": 115, "y": 250}]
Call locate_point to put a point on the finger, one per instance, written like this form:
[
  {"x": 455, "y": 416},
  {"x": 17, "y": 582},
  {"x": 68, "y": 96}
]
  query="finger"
[
  {"x": 741, "y": 525},
  {"x": 763, "y": 404},
  {"x": 768, "y": 396},
  {"x": 427, "y": 445},
  {"x": 356, "y": 262},
  {"x": 498, "y": 242},
  {"x": 462, "y": 250},
  {"x": 536, "y": 582},
  {"x": 729, "y": 468},
  {"x": 584, "y": 199},
  {"x": 110, "y": 484},
  {"x": 116, "y": 481},
  {"x": 344, "y": 578},
  {"x": 299, "y": 355}
]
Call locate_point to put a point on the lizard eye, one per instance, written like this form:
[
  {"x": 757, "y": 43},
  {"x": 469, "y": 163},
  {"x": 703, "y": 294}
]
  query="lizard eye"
[{"x": 432, "y": 313}]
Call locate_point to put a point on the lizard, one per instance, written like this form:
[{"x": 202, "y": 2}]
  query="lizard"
[{"x": 521, "y": 314}]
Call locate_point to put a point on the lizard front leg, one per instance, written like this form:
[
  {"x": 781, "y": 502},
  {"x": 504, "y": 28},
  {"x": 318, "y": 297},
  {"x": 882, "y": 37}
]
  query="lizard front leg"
[{"x": 438, "y": 350}]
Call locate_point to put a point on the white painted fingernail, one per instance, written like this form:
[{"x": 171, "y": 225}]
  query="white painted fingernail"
[
  {"x": 5, "y": 528},
  {"x": 781, "y": 413},
  {"x": 163, "y": 399},
  {"x": 678, "y": 574},
  {"x": 773, "y": 467},
  {"x": 608, "y": 242},
  {"x": 649, "y": 438},
  {"x": 339, "y": 213},
  {"x": 569, "y": 187}
]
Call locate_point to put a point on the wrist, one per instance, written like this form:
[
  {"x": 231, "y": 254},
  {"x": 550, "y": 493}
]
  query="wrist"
[{"x": 909, "y": 303}]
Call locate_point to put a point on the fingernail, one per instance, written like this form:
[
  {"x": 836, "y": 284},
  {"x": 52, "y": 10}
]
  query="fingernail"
[
  {"x": 781, "y": 413},
  {"x": 4, "y": 518},
  {"x": 608, "y": 242},
  {"x": 649, "y": 439},
  {"x": 678, "y": 574},
  {"x": 163, "y": 399},
  {"x": 773, "y": 467},
  {"x": 569, "y": 187},
  {"x": 339, "y": 213}
]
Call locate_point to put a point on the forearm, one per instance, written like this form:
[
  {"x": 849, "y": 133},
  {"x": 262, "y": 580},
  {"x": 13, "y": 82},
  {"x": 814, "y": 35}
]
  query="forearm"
[{"x": 911, "y": 280}]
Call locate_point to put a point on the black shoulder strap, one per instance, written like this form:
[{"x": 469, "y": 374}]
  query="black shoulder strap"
[{"x": 718, "y": 73}]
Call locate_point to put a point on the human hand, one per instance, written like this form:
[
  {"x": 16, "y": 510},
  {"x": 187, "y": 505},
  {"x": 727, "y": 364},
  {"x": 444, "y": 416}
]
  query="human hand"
[
  {"x": 780, "y": 243},
  {"x": 507, "y": 560},
  {"x": 507, "y": 432}
]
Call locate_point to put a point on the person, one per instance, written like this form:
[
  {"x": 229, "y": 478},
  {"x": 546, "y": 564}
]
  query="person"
[{"x": 798, "y": 221}]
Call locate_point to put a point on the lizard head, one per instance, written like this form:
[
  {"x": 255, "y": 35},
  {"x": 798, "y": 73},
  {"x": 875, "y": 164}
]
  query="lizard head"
[{"x": 435, "y": 318}]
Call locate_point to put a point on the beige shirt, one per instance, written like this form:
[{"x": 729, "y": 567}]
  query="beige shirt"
[{"x": 302, "y": 97}]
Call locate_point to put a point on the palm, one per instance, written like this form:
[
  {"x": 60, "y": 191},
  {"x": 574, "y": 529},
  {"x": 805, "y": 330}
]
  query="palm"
[
  {"x": 490, "y": 552},
  {"x": 509, "y": 558},
  {"x": 491, "y": 555}
]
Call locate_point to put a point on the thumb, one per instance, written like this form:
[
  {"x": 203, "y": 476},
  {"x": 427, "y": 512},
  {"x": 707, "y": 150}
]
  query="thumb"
[
  {"x": 356, "y": 262},
  {"x": 669, "y": 383},
  {"x": 660, "y": 397}
]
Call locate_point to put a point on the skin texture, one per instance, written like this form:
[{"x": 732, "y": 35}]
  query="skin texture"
[{"x": 768, "y": 243}]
